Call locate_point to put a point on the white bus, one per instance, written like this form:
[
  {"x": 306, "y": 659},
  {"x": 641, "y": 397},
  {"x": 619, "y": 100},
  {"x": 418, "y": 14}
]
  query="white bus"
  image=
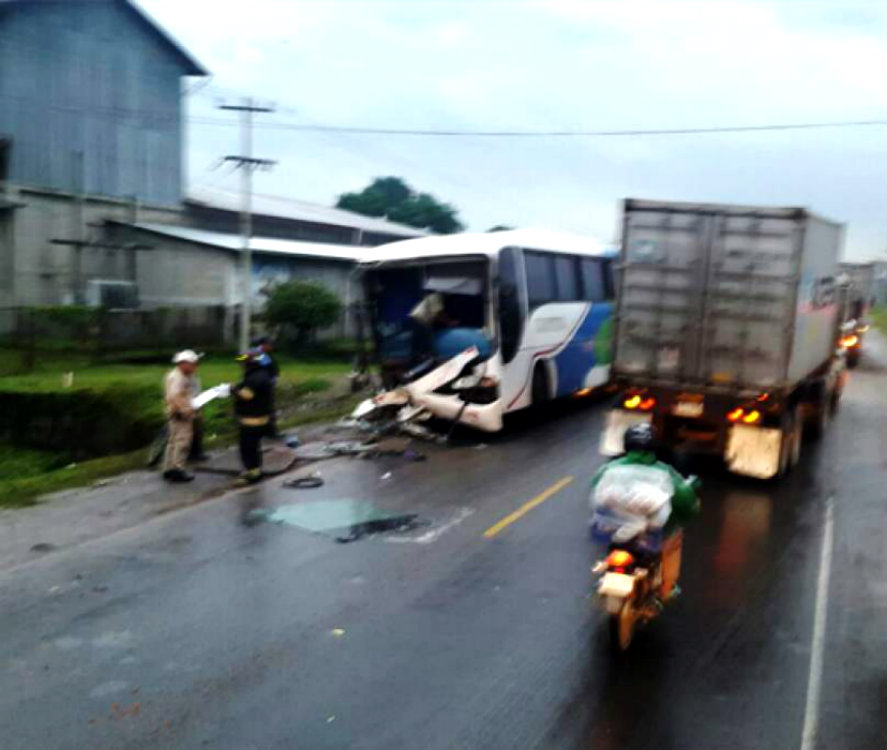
[{"x": 537, "y": 306}]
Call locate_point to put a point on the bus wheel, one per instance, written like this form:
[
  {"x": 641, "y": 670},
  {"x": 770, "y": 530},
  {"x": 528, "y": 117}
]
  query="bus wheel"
[{"x": 540, "y": 393}]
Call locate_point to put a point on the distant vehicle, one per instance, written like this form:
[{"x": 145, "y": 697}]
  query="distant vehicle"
[
  {"x": 727, "y": 325},
  {"x": 857, "y": 282},
  {"x": 537, "y": 306}
]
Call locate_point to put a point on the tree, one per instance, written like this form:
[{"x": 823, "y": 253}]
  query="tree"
[
  {"x": 392, "y": 197},
  {"x": 301, "y": 307}
]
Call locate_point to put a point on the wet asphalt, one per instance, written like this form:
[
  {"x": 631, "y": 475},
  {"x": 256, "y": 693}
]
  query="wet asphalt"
[{"x": 212, "y": 627}]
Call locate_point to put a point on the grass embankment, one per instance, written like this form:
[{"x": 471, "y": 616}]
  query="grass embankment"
[
  {"x": 26, "y": 473},
  {"x": 879, "y": 318}
]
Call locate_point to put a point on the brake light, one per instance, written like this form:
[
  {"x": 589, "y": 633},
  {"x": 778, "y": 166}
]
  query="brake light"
[
  {"x": 632, "y": 402},
  {"x": 753, "y": 417},
  {"x": 619, "y": 558},
  {"x": 762, "y": 398},
  {"x": 848, "y": 342},
  {"x": 647, "y": 403},
  {"x": 736, "y": 414}
]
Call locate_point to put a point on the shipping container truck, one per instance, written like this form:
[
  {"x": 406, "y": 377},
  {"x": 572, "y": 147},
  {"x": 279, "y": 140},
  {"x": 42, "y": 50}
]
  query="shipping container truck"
[{"x": 726, "y": 330}]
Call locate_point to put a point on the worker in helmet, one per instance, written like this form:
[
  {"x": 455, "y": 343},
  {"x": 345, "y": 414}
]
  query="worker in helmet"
[
  {"x": 637, "y": 496},
  {"x": 253, "y": 404}
]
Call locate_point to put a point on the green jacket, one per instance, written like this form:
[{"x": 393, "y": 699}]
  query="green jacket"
[{"x": 684, "y": 503}]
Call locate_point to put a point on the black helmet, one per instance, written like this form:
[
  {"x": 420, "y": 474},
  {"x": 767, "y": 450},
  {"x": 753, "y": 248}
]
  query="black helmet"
[{"x": 639, "y": 437}]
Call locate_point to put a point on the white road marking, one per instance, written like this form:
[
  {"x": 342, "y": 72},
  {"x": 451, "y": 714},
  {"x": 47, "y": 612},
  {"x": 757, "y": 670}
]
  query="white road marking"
[
  {"x": 433, "y": 534},
  {"x": 817, "y": 644}
]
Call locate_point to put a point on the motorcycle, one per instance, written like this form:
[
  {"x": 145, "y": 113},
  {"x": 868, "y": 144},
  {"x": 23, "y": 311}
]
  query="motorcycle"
[{"x": 631, "y": 578}]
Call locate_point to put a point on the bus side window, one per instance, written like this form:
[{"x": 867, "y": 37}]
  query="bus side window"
[
  {"x": 594, "y": 284},
  {"x": 510, "y": 315},
  {"x": 567, "y": 278},
  {"x": 541, "y": 288}
]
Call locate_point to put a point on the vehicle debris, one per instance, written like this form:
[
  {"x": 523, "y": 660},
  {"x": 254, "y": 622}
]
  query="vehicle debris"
[{"x": 307, "y": 482}]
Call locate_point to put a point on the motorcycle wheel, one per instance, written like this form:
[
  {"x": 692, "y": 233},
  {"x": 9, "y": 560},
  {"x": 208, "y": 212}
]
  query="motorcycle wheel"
[{"x": 622, "y": 626}]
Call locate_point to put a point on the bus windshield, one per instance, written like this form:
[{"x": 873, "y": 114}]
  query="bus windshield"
[{"x": 429, "y": 310}]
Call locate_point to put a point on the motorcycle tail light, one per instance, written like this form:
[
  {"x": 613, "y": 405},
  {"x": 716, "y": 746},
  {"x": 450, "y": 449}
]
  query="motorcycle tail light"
[{"x": 619, "y": 558}]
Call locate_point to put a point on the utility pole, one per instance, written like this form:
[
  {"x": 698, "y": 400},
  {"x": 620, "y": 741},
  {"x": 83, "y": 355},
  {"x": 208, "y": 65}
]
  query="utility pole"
[{"x": 247, "y": 164}]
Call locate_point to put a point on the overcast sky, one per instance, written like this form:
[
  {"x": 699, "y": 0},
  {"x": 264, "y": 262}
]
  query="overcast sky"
[{"x": 602, "y": 65}]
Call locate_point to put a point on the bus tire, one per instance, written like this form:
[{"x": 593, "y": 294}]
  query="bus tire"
[{"x": 540, "y": 392}]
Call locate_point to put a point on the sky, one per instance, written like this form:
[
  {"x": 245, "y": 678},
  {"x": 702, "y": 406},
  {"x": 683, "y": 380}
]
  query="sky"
[{"x": 523, "y": 65}]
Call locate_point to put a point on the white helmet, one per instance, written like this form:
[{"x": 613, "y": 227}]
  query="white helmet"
[{"x": 187, "y": 355}]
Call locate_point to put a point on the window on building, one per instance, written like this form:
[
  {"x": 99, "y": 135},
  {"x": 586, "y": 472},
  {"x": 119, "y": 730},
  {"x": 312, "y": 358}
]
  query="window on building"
[{"x": 5, "y": 158}]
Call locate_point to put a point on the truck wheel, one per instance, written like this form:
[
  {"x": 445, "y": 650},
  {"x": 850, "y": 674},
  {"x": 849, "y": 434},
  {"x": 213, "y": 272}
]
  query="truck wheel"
[
  {"x": 540, "y": 392},
  {"x": 792, "y": 439},
  {"x": 797, "y": 439},
  {"x": 835, "y": 401},
  {"x": 823, "y": 415}
]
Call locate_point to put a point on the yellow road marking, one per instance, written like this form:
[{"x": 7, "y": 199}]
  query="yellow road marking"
[{"x": 527, "y": 507}]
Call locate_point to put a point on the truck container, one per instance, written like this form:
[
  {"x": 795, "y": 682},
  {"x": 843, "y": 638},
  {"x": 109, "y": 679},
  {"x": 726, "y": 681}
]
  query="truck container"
[{"x": 726, "y": 329}]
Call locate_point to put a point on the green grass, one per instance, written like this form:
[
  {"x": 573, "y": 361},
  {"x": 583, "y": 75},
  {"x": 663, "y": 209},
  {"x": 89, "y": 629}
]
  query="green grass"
[
  {"x": 879, "y": 318},
  {"x": 25, "y": 474},
  {"x": 21, "y": 490},
  {"x": 49, "y": 371}
]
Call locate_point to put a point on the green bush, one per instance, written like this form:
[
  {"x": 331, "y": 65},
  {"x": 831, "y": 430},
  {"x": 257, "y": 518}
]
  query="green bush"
[{"x": 298, "y": 308}]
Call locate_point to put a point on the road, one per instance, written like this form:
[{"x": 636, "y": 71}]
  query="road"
[{"x": 210, "y": 627}]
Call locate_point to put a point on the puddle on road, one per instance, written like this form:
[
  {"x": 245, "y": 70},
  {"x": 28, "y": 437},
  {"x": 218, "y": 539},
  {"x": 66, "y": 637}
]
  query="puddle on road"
[{"x": 344, "y": 520}]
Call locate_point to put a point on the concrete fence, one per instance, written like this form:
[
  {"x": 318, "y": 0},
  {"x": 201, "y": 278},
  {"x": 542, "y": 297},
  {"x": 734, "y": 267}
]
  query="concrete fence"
[{"x": 99, "y": 330}]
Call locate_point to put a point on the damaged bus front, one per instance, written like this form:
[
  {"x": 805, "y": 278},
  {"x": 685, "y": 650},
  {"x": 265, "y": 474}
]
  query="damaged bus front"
[
  {"x": 434, "y": 336},
  {"x": 469, "y": 327}
]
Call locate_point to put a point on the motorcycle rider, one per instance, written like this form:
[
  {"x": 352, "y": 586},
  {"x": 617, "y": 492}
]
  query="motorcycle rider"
[{"x": 638, "y": 490}]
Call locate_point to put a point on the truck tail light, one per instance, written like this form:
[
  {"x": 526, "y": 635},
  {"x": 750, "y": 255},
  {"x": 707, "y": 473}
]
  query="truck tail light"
[
  {"x": 753, "y": 417},
  {"x": 632, "y": 402},
  {"x": 647, "y": 404},
  {"x": 735, "y": 415}
]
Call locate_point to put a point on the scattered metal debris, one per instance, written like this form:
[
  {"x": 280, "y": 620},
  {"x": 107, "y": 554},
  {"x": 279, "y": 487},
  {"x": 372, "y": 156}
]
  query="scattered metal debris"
[
  {"x": 306, "y": 482},
  {"x": 405, "y": 522}
]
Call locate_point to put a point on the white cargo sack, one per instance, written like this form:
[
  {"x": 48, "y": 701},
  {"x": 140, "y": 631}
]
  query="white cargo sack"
[{"x": 634, "y": 494}]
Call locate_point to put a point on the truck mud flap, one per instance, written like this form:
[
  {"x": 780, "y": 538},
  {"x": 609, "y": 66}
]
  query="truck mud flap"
[
  {"x": 753, "y": 451},
  {"x": 618, "y": 421}
]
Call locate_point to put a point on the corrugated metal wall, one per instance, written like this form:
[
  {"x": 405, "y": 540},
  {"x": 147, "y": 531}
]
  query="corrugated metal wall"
[{"x": 85, "y": 77}]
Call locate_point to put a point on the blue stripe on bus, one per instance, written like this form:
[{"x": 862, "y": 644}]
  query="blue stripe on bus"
[{"x": 577, "y": 358}]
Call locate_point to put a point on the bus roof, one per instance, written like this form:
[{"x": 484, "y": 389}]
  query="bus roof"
[{"x": 484, "y": 243}]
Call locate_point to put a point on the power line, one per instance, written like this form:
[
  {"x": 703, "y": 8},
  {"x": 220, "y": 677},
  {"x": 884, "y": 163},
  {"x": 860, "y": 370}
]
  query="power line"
[
  {"x": 361, "y": 130},
  {"x": 165, "y": 117}
]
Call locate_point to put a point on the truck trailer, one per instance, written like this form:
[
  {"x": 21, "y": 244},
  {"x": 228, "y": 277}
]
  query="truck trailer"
[{"x": 726, "y": 330}]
